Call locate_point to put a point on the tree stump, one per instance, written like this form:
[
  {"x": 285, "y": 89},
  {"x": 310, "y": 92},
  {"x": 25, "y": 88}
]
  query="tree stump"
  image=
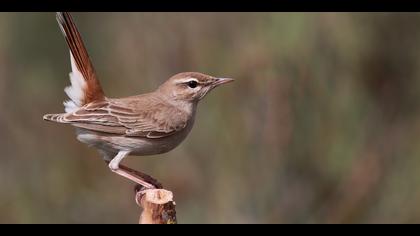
[
  {"x": 158, "y": 206},
  {"x": 157, "y": 203}
]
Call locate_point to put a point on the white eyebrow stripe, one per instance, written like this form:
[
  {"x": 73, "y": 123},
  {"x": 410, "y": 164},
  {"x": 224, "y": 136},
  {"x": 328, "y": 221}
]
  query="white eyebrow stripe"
[{"x": 185, "y": 80}]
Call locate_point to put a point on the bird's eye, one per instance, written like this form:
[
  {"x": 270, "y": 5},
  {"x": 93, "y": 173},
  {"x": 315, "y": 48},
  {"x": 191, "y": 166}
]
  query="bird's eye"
[{"x": 192, "y": 83}]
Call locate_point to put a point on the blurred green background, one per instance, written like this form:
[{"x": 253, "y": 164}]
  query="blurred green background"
[{"x": 321, "y": 125}]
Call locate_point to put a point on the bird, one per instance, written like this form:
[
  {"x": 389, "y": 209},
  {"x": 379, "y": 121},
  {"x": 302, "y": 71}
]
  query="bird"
[{"x": 140, "y": 125}]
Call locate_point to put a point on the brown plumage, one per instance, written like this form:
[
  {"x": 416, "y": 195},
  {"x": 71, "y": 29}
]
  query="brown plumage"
[
  {"x": 146, "y": 124},
  {"x": 142, "y": 116}
]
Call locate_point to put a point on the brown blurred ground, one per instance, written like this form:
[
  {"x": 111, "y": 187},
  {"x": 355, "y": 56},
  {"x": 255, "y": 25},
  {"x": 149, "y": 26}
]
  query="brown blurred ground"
[{"x": 321, "y": 125}]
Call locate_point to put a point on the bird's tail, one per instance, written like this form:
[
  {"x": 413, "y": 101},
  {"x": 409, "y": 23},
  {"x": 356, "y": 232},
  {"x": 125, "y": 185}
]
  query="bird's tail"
[{"x": 85, "y": 86}]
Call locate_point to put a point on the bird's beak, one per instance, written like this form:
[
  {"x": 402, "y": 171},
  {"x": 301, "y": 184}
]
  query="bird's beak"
[{"x": 220, "y": 81}]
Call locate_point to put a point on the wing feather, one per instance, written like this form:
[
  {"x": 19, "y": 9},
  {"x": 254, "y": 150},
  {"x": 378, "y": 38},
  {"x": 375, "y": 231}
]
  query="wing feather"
[{"x": 106, "y": 116}]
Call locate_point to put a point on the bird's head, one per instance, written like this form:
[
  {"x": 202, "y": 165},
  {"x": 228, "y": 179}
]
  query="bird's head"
[{"x": 191, "y": 86}]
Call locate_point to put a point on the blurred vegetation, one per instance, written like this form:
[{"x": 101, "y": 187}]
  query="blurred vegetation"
[{"x": 321, "y": 125}]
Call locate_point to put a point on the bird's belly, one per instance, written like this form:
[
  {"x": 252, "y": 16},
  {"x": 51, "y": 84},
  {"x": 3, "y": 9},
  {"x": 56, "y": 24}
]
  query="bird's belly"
[
  {"x": 138, "y": 146},
  {"x": 143, "y": 146}
]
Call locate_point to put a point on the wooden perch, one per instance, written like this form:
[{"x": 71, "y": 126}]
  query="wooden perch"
[
  {"x": 157, "y": 203},
  {"x": 158, "y": 206}
]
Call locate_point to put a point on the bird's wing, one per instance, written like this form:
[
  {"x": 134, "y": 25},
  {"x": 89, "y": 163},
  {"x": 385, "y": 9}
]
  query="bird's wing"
[
  {"x": 85, "y": 86},
  {"x": 105, "y": 116}
]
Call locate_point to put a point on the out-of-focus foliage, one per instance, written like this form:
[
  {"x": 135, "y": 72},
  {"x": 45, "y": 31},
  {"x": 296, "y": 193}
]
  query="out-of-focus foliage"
[{"x": 321, "y": 125}]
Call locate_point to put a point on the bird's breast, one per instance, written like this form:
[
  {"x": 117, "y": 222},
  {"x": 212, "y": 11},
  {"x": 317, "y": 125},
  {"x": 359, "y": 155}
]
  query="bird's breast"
[{"x": 147, "y": 146}]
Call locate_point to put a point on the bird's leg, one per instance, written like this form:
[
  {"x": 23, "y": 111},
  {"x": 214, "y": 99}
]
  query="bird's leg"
[
  {"x": 114, "y": 165},
  {"x": 145, "y": 177}
]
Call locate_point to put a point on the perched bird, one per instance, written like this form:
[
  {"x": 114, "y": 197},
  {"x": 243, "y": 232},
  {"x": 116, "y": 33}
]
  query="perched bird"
[{"x": 140, "y": 125}]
